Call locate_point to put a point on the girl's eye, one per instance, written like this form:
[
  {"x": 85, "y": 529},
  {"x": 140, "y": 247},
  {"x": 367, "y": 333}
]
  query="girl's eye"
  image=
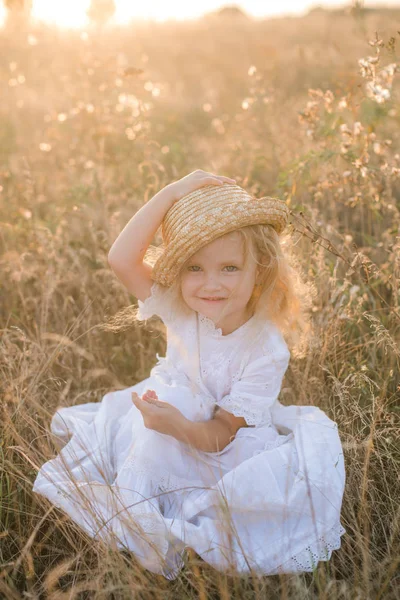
[{"x": 195, "y": 267}]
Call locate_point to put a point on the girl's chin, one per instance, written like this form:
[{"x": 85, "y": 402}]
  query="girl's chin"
[{"x": 210, "y": 306}]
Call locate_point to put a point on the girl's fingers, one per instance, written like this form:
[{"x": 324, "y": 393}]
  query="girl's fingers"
[
  {"x": 221, "y": 177},
  {"x": 150, "y": 397},
  {"x": 135, "y": 398},
  {"x": 217, "y": 181},
  {"x": 212, "y": 181}
]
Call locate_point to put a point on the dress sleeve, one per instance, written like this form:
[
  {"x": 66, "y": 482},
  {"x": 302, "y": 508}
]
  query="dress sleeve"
[
  {"x": 158, "y": 303},
  {"x": 254, "y": 393}
]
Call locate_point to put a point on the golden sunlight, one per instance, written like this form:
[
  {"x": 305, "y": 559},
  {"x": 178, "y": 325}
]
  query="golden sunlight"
[
  {"x": 73, "y": 12},
  {"x": 67, "y": 14}
]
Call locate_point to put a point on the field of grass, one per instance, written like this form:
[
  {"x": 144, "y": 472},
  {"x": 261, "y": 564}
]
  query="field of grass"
[{"x": 94, "y": 124}]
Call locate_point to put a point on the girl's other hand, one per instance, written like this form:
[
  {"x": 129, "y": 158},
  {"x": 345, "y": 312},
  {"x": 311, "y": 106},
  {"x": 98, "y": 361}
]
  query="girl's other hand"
[
  {"x": 157, "y": 414},
  {"x": 196, "y": 180}
]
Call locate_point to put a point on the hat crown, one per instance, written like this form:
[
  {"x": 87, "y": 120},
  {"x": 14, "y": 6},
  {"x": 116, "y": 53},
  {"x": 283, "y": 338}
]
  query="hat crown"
[{"x": 200, "y": 205}]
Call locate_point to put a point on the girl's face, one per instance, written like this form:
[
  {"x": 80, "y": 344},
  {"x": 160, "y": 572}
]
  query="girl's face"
[{"x": 218, "y": 271}]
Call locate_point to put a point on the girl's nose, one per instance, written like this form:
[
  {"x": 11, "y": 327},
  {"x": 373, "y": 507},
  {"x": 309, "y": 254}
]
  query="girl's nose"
[
  {"x": 212, "y": 282},
  {"x": 212, "y": 277}
]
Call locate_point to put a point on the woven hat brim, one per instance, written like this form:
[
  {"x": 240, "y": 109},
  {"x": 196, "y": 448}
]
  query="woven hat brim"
[{"x": 191, "y": 236}]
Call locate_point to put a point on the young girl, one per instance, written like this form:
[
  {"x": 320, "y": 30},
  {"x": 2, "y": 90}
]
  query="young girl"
[{"x": 201, "y": 454}]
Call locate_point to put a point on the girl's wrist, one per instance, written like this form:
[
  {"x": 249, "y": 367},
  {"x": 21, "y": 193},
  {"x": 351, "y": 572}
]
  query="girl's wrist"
[
  {"x": 179, "y": 428},
  {"x": 168, "y": 195}
]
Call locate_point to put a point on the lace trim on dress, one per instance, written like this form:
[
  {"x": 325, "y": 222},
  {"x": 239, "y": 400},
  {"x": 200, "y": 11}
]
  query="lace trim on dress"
[
  {"x": 209, "y": 325},
  {"x": 210, "y": 328},
  {"x": 322, "y": 549},
  {"x": 238, "y": 407}
]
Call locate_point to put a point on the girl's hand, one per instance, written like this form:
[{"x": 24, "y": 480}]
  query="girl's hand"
[
  {"x": 195, "y": 180},
  {"x": 158, "y": 415}
]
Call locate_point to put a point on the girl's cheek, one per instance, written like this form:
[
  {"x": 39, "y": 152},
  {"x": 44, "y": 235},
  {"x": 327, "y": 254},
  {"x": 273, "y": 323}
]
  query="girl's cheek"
[
  {"x": 186, "y": 287},
  {"x": 189, "y": 282}
]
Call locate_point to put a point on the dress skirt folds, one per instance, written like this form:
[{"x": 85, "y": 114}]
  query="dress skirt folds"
[{"x": 268, "y": 502}]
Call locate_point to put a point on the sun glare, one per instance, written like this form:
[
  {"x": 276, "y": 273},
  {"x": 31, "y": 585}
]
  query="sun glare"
[
  {"x": 73, "y": 12},
  {"x": 67, "y": 14}
]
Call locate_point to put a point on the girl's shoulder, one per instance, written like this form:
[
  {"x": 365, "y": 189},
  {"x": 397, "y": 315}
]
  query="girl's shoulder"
[
  {"x": 269, "y": 342},
  {"x": 163, "y": 304}
]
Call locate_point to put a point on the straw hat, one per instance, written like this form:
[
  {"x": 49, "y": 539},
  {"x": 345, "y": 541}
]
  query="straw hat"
[{"x": 206, "y": 214}]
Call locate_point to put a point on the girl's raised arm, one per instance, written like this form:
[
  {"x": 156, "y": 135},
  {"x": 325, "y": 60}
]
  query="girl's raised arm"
[{"x": 127, "y": 252}]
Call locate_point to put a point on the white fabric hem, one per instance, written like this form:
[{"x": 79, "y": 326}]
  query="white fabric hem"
[{"x": 321, "y": 550}]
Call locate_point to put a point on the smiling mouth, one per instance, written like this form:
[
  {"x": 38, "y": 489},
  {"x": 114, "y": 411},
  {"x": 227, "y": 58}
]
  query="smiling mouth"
[{"x": 212, "y": 299}]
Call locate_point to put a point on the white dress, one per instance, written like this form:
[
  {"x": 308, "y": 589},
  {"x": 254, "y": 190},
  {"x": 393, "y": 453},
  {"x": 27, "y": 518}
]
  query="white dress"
[{"x": 269, "y": 502}]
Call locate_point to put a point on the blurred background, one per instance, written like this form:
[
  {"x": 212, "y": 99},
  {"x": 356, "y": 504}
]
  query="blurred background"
[{"x": 105, "y": 102}]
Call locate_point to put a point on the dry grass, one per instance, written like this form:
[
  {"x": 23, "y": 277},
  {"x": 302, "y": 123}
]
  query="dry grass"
[{"x": 82, "y": 146}]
